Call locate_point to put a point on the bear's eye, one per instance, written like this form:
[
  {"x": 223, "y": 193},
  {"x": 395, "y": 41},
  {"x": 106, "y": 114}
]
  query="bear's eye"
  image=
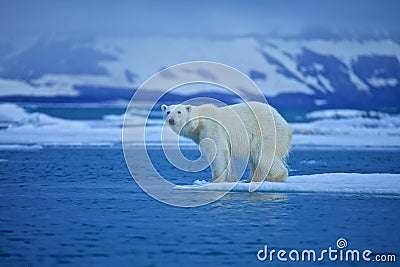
[
  {"x": 179, "y": 112},
  {"x": 168, "y": 112}
]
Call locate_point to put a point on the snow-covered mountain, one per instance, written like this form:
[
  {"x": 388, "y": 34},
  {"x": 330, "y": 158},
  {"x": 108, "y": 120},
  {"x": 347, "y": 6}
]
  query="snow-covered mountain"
[{"x": 292, "y": 72}]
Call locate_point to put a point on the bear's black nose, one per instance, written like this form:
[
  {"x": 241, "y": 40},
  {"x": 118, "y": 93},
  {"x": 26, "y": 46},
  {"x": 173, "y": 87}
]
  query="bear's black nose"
[{"x": 171, "y": 121}]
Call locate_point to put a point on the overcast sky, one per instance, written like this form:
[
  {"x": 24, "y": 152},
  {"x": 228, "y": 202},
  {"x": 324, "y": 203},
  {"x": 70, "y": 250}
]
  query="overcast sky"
[{"x": 196, "y": 18}]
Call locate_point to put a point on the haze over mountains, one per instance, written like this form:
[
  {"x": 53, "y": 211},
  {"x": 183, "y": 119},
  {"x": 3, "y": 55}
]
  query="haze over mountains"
[{"x": 301, "y": 54}]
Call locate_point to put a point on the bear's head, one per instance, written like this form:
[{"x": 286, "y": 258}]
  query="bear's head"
[{"x": 176, "y": 116}]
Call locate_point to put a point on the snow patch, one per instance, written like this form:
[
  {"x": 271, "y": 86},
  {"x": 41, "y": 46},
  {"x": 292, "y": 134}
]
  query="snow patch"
[
  {"x": 382, "y": 82},
  {"x": 344, "y": 113},
  {"x": 11, "y": 113}
]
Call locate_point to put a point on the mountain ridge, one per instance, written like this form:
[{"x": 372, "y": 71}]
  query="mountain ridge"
[{"x": 298, "y": 72}]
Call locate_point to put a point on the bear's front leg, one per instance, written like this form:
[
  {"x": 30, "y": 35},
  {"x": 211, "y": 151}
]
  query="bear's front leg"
[
  {"x": 219, "y": 157},
  {"x": 221, "y": 166},
  {"x": 221, "y": 169}
]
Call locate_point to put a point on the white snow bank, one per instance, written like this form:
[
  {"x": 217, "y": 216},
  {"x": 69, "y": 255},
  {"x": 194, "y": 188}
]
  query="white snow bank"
[
  {"x": 348, "y": 128},
  {"x": 14, "y": 115},
  {"x": 344, "y": 113},
  {"x": 338, "y": 183},
  {"x": 389, "y": 125},
  {"x": 11, "y": 113},
  {"x": 21, "y": 147},
  {"x": 20, "y": 127}
]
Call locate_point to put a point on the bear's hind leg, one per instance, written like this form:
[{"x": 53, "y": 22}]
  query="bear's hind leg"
[
  {"x": 259, "y": 170},
  {"x": 278, "y": 172}
]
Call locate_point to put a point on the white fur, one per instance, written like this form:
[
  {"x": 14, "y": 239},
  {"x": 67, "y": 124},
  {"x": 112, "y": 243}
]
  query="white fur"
[{"x": 245, "y": 130}]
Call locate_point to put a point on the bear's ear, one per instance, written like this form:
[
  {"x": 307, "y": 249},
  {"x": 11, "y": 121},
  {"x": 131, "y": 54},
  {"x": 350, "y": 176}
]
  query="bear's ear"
[
  {"x": 163, "y": 107},
  {"x": 188, "y": 108}
]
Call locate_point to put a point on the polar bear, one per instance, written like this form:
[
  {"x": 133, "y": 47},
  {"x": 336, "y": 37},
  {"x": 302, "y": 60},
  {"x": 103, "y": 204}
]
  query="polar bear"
[{"x": 246, "y": 130}]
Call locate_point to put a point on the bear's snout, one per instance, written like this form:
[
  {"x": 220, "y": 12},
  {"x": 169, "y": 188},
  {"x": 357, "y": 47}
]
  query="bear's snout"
[{"x": 171, "y": 121}]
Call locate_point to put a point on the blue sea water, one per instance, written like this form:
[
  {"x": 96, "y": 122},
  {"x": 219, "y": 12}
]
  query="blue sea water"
[{"x": 81, "y": 207}]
